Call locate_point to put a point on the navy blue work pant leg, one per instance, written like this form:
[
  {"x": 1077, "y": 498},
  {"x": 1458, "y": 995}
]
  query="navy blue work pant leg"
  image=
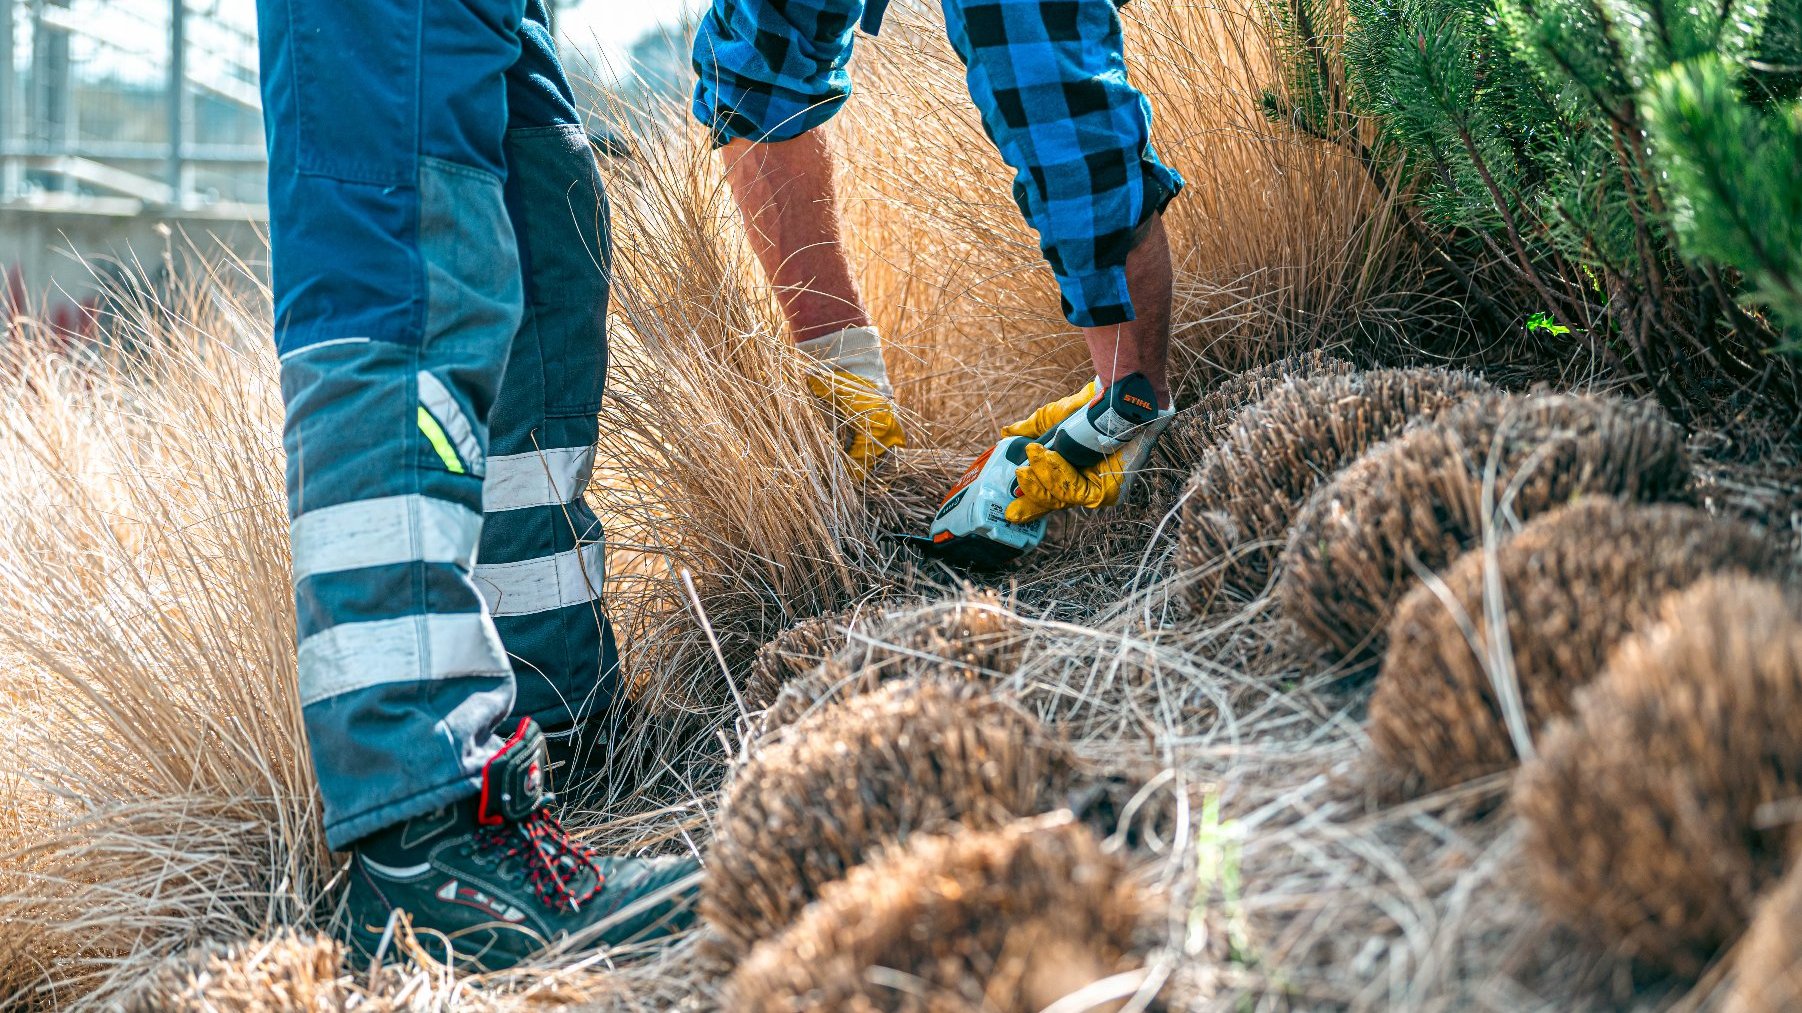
[
  {"x": 540, "y": 564},
  {"x": 398, "y": 293}
]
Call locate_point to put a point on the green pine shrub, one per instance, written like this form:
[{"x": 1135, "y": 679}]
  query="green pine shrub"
[
  {"x": 1736, "y": 171},
  {"x": 1610, "y": 181}
]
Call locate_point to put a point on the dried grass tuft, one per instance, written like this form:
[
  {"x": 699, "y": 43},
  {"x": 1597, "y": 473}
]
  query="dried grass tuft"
[
  {"x": 1768, "y": 970},
  {"x": 288, "y": 973},
  {"x": 1007, "y": 921},
  {"x": 1201, "y": 425},
  {"x": 838, "y": 785},
  {"x": 976, "y": 636},
  {"x": 1411, "y": 506},
  {"x": 907, "y": 487},
  {"x": 144, "y": 584},
  {"x": 1567, "y": 588},
  {"x": 1243, "y": 495},
  {"x": 1642, "y": 813},
  {"x": 797, "y": 653},
  {"x": 164, "y": 794}
]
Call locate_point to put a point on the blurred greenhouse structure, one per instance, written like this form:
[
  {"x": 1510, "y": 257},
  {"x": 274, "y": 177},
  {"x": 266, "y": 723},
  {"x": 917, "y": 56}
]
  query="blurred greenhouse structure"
[
  {"x": 129, "y": 130},
  {"x": 148, "y": 102},
  {"x": 131, "y": 141}
]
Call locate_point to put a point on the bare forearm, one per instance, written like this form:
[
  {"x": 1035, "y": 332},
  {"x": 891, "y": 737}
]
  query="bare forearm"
[{"x": 785, "y": 192}]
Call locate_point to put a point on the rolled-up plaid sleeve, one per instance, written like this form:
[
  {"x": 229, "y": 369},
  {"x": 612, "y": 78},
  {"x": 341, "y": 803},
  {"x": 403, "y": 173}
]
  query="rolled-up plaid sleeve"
[
  {"x": 771, "y": 70},
  {"x": 1049, "y": 78}
]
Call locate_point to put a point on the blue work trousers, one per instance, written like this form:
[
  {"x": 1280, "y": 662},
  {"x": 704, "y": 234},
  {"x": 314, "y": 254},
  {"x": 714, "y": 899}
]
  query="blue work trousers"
[{"x": 440, "y": 266}]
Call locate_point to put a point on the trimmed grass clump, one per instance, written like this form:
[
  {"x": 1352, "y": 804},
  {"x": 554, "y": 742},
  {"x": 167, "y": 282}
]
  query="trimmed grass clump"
[
  {"x": 798, "y": 652},
  {"x": 908, "y": 485},
  {"x": 794, "y": 654},
  {"x": 1641, "y": 811},
  {"x": 1414, "y": 504},
  {"x": 976, "y": 636},
  {"x": 1202, "y": 424},
  {"x": 289, "y": 971},
  {"x": 1007, "y": 921},
  {"x": 1278, "y": 449},
  {"x": 1768, "y": 971},
  {"x": 913, "y": 756},
  {"x": 1568, "y": 587}
]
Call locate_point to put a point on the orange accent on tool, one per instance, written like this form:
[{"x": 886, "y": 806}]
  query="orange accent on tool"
[{"x": 969, "y": 476}]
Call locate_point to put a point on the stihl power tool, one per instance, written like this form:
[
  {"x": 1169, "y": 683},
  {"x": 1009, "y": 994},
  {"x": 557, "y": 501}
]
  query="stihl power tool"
[{"x": 971, "y": 527}]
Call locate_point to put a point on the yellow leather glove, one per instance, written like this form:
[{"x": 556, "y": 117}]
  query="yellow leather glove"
[
  {"x": 866, "y": 413},
  {"x": 848, "y": 374},
  {"x": 1047, "y": 483},
  {"x": 1041, "y": 422}
]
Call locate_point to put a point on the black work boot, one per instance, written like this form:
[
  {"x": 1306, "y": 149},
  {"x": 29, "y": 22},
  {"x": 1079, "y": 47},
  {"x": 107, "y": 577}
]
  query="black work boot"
[{"x": 498, "y": 877}]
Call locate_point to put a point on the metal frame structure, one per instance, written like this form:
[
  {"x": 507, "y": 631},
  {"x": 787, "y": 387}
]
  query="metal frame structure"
[{"x": 39, "y": 132}]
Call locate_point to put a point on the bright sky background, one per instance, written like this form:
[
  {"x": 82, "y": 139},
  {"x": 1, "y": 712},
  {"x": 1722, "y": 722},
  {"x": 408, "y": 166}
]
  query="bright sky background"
[{"x": 612, "y": 25}]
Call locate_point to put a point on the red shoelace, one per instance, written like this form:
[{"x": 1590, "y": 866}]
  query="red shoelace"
[{"x": 552, "y": 859}]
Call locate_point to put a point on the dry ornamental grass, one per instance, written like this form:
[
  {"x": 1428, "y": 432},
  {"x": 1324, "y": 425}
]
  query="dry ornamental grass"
[
  {"x": 147, "y": 659},
  {"x": 1413, "y": 505},
  {"x": 144, "y": 580},
  {"x": 1767, "y": 972},
  {"x": 800, "y": 650},
  {"x": 1004, "y": 921},
  {"x": 1274, "y": 452},
  {"x": 974, "y": 636},
  {"x": 1566, "y": 589},
  {"x": 1201, "y": 425},
  {"x": 161, "y": 795},
  {"x": 288, "y": 973},
  {"x": 908, "y": 485},
  {"x": 837, "y": 786},
  {"x": 793, "y": 654},
  {"x": 1642, "y": 812}
]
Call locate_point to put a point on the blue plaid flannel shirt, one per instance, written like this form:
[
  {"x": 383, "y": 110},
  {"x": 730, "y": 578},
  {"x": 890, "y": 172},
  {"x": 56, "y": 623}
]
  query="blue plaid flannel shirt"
[{"x": 1047, "y": 76}]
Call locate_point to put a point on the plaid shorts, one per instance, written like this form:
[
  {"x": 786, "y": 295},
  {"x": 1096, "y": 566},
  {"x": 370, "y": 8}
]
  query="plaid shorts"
[{"x": 1047, "y": 76}]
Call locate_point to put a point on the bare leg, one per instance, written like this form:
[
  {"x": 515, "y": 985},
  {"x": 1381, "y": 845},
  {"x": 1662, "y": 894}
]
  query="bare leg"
[
  {"x": 785, "y": 192},
  {"x": 1143, "y": 344}
]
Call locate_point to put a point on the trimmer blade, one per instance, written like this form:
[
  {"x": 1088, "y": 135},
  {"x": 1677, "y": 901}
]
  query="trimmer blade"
[{"x": 972, "y": 552}]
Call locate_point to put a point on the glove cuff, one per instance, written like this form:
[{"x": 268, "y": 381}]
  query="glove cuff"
[{"x": 856, "y": 350}]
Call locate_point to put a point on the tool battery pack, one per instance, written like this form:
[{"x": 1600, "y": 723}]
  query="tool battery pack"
[{"x": 971, "y": 528}]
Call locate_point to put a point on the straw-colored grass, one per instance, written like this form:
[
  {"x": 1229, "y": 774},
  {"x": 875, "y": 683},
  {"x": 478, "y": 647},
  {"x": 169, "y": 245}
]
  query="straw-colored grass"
[
  {"x": 1239, "y": 503},
  {"x": 974, "y": 636},
  {"x": 1652, "y": 817},
  {"x": 160, "y": 796},
  {"x": 1011, "y": 921},
  {"x": 287, "y": 973},
  {"x": 1412, "y": 505},
  {"x": 1482, "y": 658},
  {"x": 836, "y": 788},
  {"x": 1768, "y": 969},
  {"x": 148, "y": 647}
]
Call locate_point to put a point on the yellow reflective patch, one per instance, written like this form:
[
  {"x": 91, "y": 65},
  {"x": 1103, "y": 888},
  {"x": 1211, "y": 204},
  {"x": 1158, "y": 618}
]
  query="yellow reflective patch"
[{"x": 441, "y": 443}]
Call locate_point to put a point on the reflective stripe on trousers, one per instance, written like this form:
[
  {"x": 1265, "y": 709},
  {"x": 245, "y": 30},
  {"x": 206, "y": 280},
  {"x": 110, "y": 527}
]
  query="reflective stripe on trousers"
[
  {"x": 439, "y": 308},
  {"x": 540, "y": 565}
]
